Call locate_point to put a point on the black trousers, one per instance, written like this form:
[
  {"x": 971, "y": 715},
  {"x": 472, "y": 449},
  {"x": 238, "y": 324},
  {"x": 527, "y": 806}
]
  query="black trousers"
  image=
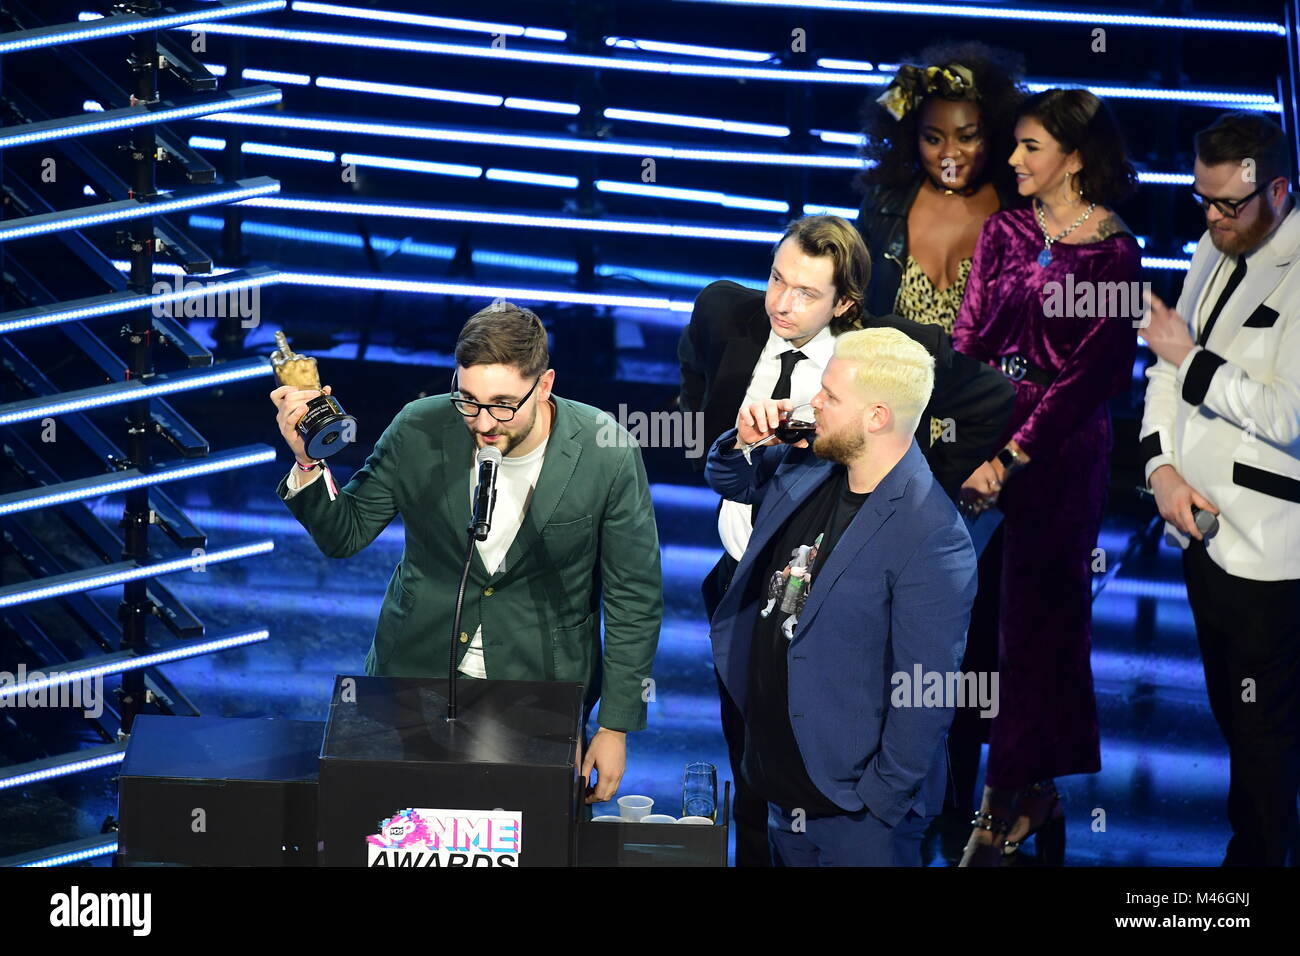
[
  {"x": 1249, "y": 634},
  {"x": 748, "y": 809},
  {"x": 969, "y": 730}
]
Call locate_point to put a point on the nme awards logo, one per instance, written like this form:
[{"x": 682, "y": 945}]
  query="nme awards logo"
[{"x": 448, "y": 838}]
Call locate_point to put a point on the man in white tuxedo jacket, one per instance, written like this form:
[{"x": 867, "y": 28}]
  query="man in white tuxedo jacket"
[{"x": 1221, "y": 433}]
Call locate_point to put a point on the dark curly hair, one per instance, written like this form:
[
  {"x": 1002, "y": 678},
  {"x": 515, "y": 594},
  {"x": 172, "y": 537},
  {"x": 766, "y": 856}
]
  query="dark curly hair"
[
  {"x": 891, "y": 143},
  {"x": 1078, "y": 119}
]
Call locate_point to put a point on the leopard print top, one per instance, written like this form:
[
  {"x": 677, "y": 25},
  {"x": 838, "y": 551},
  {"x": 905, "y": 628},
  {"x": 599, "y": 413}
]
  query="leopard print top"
[{"x": 920, "y": 301}]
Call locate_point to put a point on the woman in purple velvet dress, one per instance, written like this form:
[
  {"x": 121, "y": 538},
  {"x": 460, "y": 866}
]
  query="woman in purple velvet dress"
[{"x": 1053, "y": 299}]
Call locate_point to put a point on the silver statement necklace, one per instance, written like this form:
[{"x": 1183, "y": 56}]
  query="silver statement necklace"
[{"x": 1045, "y": 257}]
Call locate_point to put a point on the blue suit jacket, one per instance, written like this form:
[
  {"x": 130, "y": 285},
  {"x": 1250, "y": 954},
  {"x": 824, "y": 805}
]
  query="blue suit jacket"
[{"x": 896, "y": 592}]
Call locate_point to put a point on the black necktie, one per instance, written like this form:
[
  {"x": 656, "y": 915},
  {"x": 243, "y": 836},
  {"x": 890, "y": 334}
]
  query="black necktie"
[
  {"x": 1234, "y": 280},
  {"x": 788, "y": 360}
]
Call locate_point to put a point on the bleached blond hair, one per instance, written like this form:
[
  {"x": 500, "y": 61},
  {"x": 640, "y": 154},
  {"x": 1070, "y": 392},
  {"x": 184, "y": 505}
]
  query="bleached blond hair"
[{"x": 892, "y": 368}]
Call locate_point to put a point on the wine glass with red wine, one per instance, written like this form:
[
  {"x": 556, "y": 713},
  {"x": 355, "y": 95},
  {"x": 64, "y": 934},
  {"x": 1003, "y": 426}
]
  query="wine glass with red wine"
[{"x": 793, "y": 427}]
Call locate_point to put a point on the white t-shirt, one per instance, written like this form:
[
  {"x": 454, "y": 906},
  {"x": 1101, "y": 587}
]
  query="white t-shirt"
[{"x": 515, "y": 483}]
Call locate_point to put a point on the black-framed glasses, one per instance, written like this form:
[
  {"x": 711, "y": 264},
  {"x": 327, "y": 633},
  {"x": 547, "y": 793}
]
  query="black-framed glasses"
[
  {"x": 1228, "y": 207},
  {"x": 502, "y": 413}
]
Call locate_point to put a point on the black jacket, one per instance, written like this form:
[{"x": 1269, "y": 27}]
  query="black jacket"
[
  {"x": 729, "y": 327},
  {"x": 882, "y": 221}
]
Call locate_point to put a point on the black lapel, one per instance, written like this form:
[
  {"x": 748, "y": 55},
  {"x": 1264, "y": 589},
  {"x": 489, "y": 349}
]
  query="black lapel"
[
  {"x": 458, "y": 461},
  {"x": 563, "y": 449},
  {"x": 736, "y": 367}
]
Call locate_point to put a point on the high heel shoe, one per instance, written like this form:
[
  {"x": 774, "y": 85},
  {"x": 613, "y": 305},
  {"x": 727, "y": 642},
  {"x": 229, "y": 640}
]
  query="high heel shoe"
[
  {"x": 1049, "y": 844},
  {"x": 978, "y": 853}
]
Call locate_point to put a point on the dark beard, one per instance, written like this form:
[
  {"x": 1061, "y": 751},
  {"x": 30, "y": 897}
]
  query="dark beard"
[
  {"x": 1252, "y": 238},
  {"x": 840, "y": 447},
  {"x": 514, "y": 441}
]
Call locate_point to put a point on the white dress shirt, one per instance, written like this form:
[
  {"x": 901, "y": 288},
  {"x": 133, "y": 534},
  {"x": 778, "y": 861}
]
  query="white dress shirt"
[{"x": 735, "y": 520}]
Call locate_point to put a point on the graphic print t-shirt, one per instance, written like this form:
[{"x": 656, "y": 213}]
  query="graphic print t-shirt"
[{"x": 785, "y": 573}]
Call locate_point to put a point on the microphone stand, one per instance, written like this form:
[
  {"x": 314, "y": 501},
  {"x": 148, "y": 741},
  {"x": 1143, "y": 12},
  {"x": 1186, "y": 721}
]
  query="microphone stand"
[
  {"x": 476, "y": 530},
  {"x": 455, "y": 621}
]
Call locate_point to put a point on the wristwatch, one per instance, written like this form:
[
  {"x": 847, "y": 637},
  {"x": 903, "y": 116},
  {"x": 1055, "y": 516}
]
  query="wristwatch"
[{"x": 1010, "y": 459}]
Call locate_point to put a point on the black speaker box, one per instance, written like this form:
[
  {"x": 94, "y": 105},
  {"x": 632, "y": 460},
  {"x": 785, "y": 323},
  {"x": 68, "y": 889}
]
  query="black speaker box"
[{"x": 219, "y": 791}]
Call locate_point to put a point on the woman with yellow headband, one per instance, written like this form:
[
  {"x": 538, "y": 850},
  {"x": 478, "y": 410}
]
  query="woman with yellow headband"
[
  {"x": 929, "y": 138},
  {"x": 938, "y": 139}
]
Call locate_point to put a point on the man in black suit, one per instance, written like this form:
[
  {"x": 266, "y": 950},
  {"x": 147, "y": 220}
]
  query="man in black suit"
[{"x": 743, "y": 346}]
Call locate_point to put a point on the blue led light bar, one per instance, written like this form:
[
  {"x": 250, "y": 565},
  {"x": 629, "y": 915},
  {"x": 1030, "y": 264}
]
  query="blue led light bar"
[
  {"x": 839, "y": 139},
  {"x": 113, "y": 303},
  {"x": 124, "y": 23},
  {"x": 125, "y": 209},
  {"x": 265, "y": 149},
  {"x": 1167, "y": 179},
  {"x": 104, "y": 756},
  {"x": 174, "y": 269},
  {"x": 117, "y": 393},
  {"x": 399, "y": 89},
  {"x": 830, "y": 63},
  {"x": 128, "y": 661},
  {"x": 535, "y": 56},
  {"x": 541, "y": 106},
  {"x": 76, "y": 582},
  {"x": 844, "y": 212},
  {"x": 697, "y": 122},
  {"x": 532, "y": 179},
  {"x": 412, "y": 165},
  {"x": 277, "y": 76},
  {"x": 401, "y": 211},
  {"x": 693, "y": 195},
  {"x": 1089, "y": 17},
  {"x": 484, "y": 138},
  {"x": 131, "y": 116},
  {"x": 96, "y": 485},
  {"x": 288, "y": 152},
  {"x": 689, "y": 49},
  {"x": 106, "y": 847},
  {"x": 1156, "y": 262},
  {"x": 1264, "y": 102},
  {"x": 423, "y": 20}
]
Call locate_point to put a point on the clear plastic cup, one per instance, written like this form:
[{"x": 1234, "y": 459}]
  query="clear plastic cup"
[{"x": 634, "y": 807}]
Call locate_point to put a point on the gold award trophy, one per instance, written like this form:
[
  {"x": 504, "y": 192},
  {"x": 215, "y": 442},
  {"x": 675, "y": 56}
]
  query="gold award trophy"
[{"x": 325, "y": 428}]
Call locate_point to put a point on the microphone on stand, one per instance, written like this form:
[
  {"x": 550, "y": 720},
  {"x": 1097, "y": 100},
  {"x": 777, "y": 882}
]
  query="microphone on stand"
[{"x": 485, "y": 495}]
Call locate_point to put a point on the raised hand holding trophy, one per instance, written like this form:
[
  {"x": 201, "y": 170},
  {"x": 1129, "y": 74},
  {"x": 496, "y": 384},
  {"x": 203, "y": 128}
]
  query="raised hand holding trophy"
[{"x": 325, "y": 428}]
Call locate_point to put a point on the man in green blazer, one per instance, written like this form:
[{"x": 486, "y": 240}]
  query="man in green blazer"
[{"x": 573, "y": 527}]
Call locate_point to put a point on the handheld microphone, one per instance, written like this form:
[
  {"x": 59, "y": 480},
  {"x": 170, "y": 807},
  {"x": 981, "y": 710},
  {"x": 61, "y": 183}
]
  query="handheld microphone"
[
  {"x": 1207, "y": 522},
  {"x": 485, "y": 494}
]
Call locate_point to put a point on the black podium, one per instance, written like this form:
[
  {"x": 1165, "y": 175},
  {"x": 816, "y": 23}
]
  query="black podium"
[
  {"x": 401, "y": 786},
  {"x": 386, "y": 782}
]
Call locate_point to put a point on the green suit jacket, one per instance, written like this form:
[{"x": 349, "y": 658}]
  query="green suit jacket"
[{"x": 589, "y": 532}]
